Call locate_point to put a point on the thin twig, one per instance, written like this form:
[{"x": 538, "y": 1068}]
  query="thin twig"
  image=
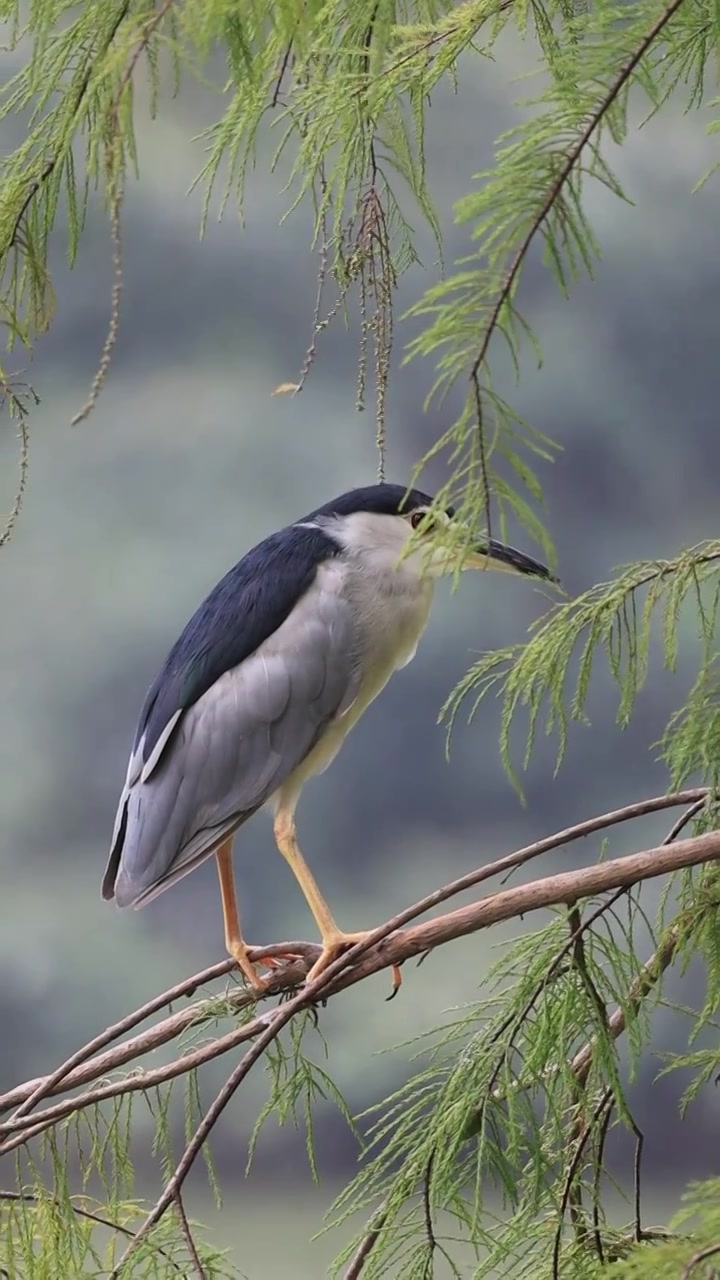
[
  {"x": 436, "y": 38},
  {"x": 311, "y": 352},
  {"x": 28, "y": 1197},
  {"x": 699, "y": 1257},
  {"x": 664, "y": 954},
  {"x": 637, "y": 1172},
  {"x": 564, "y": 172},
  {"x": 187, "y": 1235},
  {"x": 482, "y": 450},
  {"x": 19, "y": 410},
  {"x": 492, "y": 1092},
  {"x": 427, "y": 1206},
  {"x": 117, "y": 191},
  {"x": 50, "y": 165},
  {"x": 684, "y": 819},
  {"x": 367, "y": 1244},
  {"x": 605, "y": 1100},
  {"x": 147, "y": 33},
  {"x": 116, "y": 200},
  {"x": 599, "y": 1166},
  {"x": 574, "y": 1200},
  {"x": 648, "y": 977},
  {"x": 281, "y": 74},
  {"x": 580, "y": 961}
]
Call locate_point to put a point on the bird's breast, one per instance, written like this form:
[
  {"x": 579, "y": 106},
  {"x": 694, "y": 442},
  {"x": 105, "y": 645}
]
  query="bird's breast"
[
  {"x": 391, "y": 615},
  {"x": 389, "y": 618}
]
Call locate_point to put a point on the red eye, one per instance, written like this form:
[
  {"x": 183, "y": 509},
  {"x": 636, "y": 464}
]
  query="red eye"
[{"x": 417, "y": 518}]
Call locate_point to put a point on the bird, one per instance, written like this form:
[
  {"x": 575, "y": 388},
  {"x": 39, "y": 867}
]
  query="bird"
[{"x": 269, "y": 676}]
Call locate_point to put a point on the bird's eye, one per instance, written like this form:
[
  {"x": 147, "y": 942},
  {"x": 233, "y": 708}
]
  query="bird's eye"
[{"x": 417, "y": 518}]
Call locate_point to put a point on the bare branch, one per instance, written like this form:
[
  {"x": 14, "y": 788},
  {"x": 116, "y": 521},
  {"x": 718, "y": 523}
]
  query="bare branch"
[
  {"x": 43, "y": 1088},
  {"x": 367, "y": 1244},
  {"x": 699, "y": 1257},
  {"x": 388, "y": 945},
  {"x": 29, "y": 1094},
  {"x": 72, "y": 1073},
  {"x": 380, "y": 951},
  {"x": 581, "y": 1138},
  {"x": 188, "y": 1238},
  {"x": 101, "y": 1066},
  {"x": 567, "y": 888}
]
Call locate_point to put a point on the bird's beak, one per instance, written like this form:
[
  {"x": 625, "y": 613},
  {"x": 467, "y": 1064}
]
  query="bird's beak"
[{"x": 495, "y": 555}]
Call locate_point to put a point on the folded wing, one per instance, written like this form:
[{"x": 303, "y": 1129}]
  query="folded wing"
[{"x": 212, "y": 764}]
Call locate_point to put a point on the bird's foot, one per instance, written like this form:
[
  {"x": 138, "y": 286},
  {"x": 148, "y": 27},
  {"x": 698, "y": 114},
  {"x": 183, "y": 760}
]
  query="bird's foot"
[
  {"x": 239, "y": 951},
  {"x": 335, "y": 944}
]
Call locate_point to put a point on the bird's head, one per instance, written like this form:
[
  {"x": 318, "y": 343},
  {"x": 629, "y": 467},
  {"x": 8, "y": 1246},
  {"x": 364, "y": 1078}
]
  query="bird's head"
[{"x": 391, "y": 525}]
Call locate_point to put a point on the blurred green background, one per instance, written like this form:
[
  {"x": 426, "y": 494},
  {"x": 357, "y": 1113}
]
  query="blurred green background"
[{"x": 130, "y": 518}]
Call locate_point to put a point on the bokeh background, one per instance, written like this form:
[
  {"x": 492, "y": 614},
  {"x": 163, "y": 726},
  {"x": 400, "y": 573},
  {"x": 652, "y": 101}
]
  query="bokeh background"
[{"x": 130, "y": 518}]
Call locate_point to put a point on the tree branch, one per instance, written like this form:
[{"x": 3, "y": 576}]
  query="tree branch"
[
  {"x": 386, "y": 946},
  {"x": 73, "y": 1073},
  {"x": 648, "y": 977},
  {"x": 571, "y": 159},
  {"x": 697, "y": 1258},
  {"x": 198, "y": 1267},
  {"x": 27, "y": 1197},
  {"x": 50, "y": 165},
  {"x": 367, "y": 1244},
  {"x": 566, "y": 888},
  {"x": 29, "y": 1094}
]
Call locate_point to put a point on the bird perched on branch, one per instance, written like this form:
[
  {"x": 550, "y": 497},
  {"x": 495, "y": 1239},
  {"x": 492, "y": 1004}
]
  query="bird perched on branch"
[{"x": 266, "y": 680}]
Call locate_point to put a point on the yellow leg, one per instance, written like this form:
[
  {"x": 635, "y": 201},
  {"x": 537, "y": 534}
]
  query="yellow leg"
[
  {"x": 234, "y": 941},
  {"x": 334, "y": 941}
]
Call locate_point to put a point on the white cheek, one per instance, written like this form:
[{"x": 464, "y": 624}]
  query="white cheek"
[
  {"x": 432, "y": 562},
  {"x": 415, "y": 561},
  {"x": 409, "y": 657}
]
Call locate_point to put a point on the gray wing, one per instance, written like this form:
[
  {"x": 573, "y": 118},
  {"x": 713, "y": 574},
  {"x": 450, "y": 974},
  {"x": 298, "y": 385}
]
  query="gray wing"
[{"x": 235, "y": 746}]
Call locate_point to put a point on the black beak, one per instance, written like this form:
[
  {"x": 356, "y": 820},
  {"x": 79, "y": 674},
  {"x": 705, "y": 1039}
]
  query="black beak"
[{"x": 497, "y": 555}]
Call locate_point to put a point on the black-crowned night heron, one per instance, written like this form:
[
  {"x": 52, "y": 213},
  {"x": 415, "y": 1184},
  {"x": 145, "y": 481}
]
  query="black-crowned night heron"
[{"x": 268, "y": 677}]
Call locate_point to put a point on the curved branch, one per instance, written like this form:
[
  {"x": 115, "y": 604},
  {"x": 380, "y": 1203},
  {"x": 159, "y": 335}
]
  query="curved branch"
[
  {"x": 697, "y": 1258},
  {"x": 378, "y": 951},
  {"x": 567, "y": 887},
  {"x": 73, "y": 1073},
  {"x": 582, "y": 1062},
  {"x": 564, "y": 172},
  {"x": 28, "y": 1095}
]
